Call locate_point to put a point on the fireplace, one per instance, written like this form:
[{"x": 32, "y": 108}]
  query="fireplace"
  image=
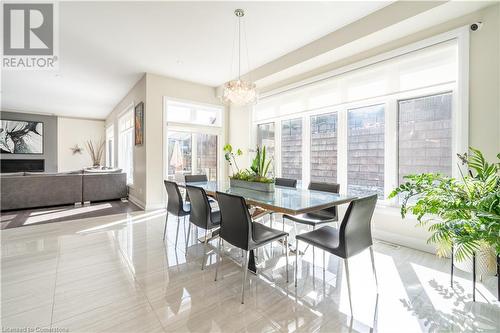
[{"x": 18, "y": 165}]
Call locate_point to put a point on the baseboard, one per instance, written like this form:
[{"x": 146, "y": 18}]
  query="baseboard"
[
  {"x": 136, "y": 201},
  {"x": 411, "y": 242}
]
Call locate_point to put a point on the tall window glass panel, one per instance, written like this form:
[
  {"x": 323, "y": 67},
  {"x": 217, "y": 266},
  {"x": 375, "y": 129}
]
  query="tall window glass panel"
[
  {"x": 365, "y": 151},
  {"x": 191, "y": 153},
  {"x": 291, "y": 148},
  {"x": 265, "y": 137},
  {"x": 324, "y": 148},
  {"x": 424, "y": 135},
  {"x": 126, "y": 145},
  {"x": 206, "y": 155},
  {"x": 180, "y": 147}
]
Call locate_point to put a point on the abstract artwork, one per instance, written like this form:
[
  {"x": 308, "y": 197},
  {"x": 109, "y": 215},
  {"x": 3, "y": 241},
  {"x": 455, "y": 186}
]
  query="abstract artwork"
[
  {"x": 21, "y": 137},
  {"x": 139, "y": 124}
]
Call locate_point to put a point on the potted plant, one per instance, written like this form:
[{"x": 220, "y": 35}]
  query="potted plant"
[
  {"x": 254, "y": 178},
  {"x": 468, "y": 209}
]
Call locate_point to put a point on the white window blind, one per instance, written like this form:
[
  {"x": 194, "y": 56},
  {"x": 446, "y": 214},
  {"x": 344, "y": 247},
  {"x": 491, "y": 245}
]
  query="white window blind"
[{"x": 427, "y": 67}]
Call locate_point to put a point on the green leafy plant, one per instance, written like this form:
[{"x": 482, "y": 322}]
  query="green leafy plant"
[
  {"x": 468, "y": 209},
  {"x": 230, "y": 156},
  {"x": 260, "y": 166},
  {"x": 257, "y": 172}
]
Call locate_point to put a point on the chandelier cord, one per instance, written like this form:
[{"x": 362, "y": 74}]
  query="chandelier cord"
[{"x": 239, "y": 48}]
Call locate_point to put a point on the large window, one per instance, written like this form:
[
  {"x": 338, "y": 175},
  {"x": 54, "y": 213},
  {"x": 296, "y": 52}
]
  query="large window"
[
  {"x": 324, "y": 148},
  {"x": 365, "y": 151},
  {"x": 110, "y": 146},
  {"x": 126, "y": 144},
  {"x": 425, "y": 135},
  {"x": 191, "y": 113},
  {"x": 191, "y": 153},
  {"x": 291, "y": 148},
  {"x": 368, "y": 126},
  {"x": 193, "y": 138}
]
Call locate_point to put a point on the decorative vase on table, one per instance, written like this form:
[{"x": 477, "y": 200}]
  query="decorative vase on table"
[
  {"x": 96, "y": 151},
  {"x": 256, "y": 177}
]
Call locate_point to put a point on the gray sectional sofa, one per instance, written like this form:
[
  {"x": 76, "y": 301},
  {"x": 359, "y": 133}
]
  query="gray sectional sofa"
[{"x": 28, "y": 190}]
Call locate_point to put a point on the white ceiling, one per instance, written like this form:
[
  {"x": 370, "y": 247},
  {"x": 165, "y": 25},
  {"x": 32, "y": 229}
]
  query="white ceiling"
[{"x": 105, "y": 47}]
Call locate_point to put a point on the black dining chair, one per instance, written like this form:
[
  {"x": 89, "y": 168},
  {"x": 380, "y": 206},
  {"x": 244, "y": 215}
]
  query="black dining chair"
[
  {"x": 199, "y": 179},
  {"x": 322, "y": 216},
  {"x": 195, "y": 178},
  {"x": 238, "y": 229},
  {"x": 175, "y": 206},
  {"x": 201, "y": 216},
  {"x": 286, "y": 182},
  {"x": 313, "y": 219},
  {"x": 353, "y": 237}
]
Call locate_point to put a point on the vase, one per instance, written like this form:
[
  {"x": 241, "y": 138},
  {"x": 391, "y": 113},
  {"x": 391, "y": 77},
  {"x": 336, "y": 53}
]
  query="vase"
[
  {"x": 256, "y": 186},
  {"x": 485, "y": 262}
]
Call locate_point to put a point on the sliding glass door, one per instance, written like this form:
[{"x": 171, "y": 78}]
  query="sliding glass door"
[{"x": 191, "y": 153}]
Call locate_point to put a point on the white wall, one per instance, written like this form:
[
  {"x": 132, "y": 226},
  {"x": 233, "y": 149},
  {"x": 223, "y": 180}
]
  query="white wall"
[
  {"x": 74, "y": 131},
  {"x": 156, "y": 88},
  {"x": 147, "y": 190},
  {"x": 137, "y": 191}
]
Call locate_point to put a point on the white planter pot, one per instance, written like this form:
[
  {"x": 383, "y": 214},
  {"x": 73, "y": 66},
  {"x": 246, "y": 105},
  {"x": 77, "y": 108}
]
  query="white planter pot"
[{"x": 485, "y": 262}]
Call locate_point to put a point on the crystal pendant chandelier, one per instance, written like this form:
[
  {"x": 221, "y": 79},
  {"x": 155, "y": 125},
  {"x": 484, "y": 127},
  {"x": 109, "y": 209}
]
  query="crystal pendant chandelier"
[{"x": 239, "y": 92}]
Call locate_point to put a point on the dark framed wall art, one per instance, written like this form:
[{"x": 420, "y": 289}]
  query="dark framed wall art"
[
  {"x": 21, "y": 137},
  {"x": 139, "y": 123}
]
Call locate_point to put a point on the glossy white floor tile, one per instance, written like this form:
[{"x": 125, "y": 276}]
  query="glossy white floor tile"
[{"x": 116, "y": 274}]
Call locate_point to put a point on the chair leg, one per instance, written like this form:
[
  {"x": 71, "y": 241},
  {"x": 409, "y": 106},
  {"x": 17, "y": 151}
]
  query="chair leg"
[
  {"x": 219, "y": 257},
  {"x": 177, "y": 234},
  {"x": 314, "y": 262},
  {"x": 373, "y": 266},
  {"x": 286, "y": 251},
  {"x": 187, "y": 238},
  {"x": 205, "y": 247},
  {"x": 474, "y": 277},
  {"x": 348, "y": 283},
  {"x": 452, "y": 266},
  {"x": 245, "y": 270},
  {"x": 165, "y": 228},
  {"x": 296, "y": 260}
]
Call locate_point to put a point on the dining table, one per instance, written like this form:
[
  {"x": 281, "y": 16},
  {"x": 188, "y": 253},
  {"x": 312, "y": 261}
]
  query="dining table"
[{"x": 284, "y": 200}]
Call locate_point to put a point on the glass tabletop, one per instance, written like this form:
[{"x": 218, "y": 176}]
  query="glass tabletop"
[{"x": 286, "y": 200}]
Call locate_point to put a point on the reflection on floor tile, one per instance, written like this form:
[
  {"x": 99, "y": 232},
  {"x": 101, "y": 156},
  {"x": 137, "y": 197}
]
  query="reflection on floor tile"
[{"x": 117, "y": 274}]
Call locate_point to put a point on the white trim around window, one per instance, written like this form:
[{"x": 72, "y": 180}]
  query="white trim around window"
[{"x": 460, "y": 113}]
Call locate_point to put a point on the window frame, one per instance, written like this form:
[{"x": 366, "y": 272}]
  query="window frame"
[
  {"x": 128, "y": 112},
  {"x": 110, "y": 137},
  {"x": 194, "y": 128},
  {"x": 390, "y": 103},
  {"x": 460, "y": 111}
]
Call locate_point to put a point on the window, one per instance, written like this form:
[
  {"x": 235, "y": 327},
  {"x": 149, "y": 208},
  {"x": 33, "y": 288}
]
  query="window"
[
  {"x": 191, "y": 153},
  {"x": 425, "y": 135},
  {"x": 399, "y": 113},
  {"x": 365, "y": 151},
  {"x": 110, "y": 146},
  {"x": 206, "y": 153},
  {"x": 324, "y": 148},
  {"x": 190, "y": 113},
  {"x": 291, "y": 149},
  {"x": 265, "y": 137},
  {"x": 180, "y": 147},
  {"x": 126, "y": 144}
]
